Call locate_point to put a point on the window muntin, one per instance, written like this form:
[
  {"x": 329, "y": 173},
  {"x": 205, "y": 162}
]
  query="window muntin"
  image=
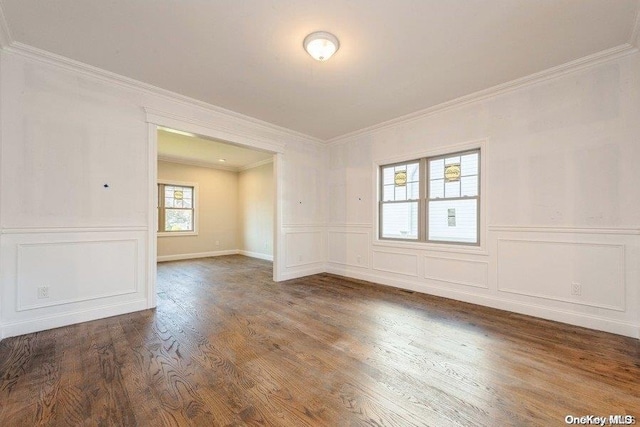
[
  {"x": 176, "y": 211},
  {"x": 439, "y": 202}
]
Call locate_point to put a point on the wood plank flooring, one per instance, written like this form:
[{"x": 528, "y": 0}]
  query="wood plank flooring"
[{"x": 226, "y": 346}]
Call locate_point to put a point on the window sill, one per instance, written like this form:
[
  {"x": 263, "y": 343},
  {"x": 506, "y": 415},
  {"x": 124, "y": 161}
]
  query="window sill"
[
  {"x": 176, "y": 233},
  {"x": 432, "y": 247}
]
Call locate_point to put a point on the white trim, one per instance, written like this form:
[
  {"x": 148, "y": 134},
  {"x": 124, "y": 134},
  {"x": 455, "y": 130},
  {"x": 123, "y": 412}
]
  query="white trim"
[
  {"x": 258, "y": 255},
  {"x": 255, "y": 164},
  {"x": 232, "y": 134},
  {"x": 579, "y": 319},
  {"x": 573, "y": 230},
  {"x": 12, "y": 329},
  {"x": 532, "y": 79},
  {"x": 278, "y": 217},
  {"x": 309, "y": 225},
  {"x": 297, "y": 273},
  {"x": 129, "y": 83},
  {"x": 180, "y": 257},
  {"x": 196, "y": 163},
  {"x": 152, "y": 218},
  {"x": 44, "y": 230},
  {"x": 350, "y": 224},
  {"x": 634, "y": 37}
]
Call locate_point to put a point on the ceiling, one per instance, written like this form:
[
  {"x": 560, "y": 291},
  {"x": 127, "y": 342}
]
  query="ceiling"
[
  {"x": 207, "y": 152},
  {"x": 395, "y": 57}
]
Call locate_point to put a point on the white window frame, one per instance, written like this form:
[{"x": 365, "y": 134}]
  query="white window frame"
[
  {"x": 196, "y": 204},
  {"x": 424, "y": 244}
]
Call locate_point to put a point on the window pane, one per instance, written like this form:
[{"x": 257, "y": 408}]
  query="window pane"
[
  {"x": 469, "y": 185},
  {"x": 388, "y": 193},
  {"x": 387, "y": 176},
  {"x": 178, "y": 220},
  {"x": 401, "y": 192},
  {"x": 452, "y": 160},
  {"x": 453, "y": 221},
  {"x": 400, "y": 220},
  {"x": 469, "y": 164},
  {"x": 187, "y": 192},
  {"x": 436, "y": 189},
  {"x": 436, "y": 169},
  {"x": 452, "y": 189},
  {"x": 413, "y": 172},
  {"x": 413, "y": 191}
]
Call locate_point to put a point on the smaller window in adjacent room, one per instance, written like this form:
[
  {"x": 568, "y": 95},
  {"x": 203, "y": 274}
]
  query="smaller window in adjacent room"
[
  {"x": 432, "y": 199},
  {"x": 176, "y": 210}
]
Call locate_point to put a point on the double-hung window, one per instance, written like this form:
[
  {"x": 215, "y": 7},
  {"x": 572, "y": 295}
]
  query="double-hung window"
[
  {"x": 176, "y": 208},
  {"x": 432, "y": 199}
]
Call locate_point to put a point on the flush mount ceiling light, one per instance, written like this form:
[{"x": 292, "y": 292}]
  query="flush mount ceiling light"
[{"x": 321, "y": 45}]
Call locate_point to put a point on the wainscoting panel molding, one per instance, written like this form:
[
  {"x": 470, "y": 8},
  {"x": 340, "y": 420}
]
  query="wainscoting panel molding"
[
  {"x": 304, "y": 247},
  {"x": 395, "y": 262},
  {"x": 348, "y": 247},
  {"x": 591, "y": 274},
  {"x": 65, "y": 269},
  {"x": 457, "y": 271}
]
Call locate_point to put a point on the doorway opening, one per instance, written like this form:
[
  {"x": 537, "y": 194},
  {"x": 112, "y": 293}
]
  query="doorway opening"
[{"x": 211, "y": 198}]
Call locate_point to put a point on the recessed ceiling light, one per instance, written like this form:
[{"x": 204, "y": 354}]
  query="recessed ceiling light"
[
  {"x": 321, "y": 45},
  {"x": 177, "y": 132},
  {"x": 222, "y": 160}
]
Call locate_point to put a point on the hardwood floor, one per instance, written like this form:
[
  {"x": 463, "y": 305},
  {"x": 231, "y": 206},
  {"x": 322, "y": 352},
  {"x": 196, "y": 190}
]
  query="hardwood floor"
[{"x": 227, "y": 346}]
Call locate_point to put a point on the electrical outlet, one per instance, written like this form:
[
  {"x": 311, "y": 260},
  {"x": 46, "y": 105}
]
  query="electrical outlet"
[
  {"x": 299, "y": 258},
  {"x": 217, "y": 242},
  {"x": 576, "y": 289},
  {"x": 43, "y": 292},
  {"x": 359, "y": 259}
]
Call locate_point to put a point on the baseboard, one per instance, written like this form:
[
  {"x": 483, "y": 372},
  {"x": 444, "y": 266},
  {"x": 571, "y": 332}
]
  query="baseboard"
[
  {"x": 178, "y": 257},
  {"x": 258, "y": 255},
  {"x": 301, "y": 272},
  {"x": 578, "y": 319},
  {"x": 13, "y": 329}
]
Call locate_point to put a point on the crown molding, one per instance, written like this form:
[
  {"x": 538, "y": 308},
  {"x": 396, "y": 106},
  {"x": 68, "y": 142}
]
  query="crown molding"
[
  {"x": 532, "y": 79},
  {"x": 256, "y": 164},
  {"x": 6, "y": 39},
  {"x": 198, "y": 163},
  {"x": 109, "y": 77},
  {"x": 634, "y": 38}
]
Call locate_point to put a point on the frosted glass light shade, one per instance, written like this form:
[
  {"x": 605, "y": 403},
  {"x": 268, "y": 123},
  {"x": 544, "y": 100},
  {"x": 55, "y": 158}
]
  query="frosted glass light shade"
[{"x": 321, "y": 45}]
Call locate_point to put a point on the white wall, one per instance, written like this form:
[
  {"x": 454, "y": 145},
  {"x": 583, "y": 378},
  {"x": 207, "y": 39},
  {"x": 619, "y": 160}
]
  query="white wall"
[
  {"x": 217, "y": 212},
  {"x": 68, "y": 129},
  {"x": 256, "y": 207},
  {"x": 561, "y": 200},
  {"x": 560, "y": 173}
]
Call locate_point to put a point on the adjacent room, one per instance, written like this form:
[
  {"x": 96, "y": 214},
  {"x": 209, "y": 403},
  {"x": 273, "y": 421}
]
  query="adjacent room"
[
  {"x": 319, "y": 213},
  {"x": 214, "y": 198}
]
